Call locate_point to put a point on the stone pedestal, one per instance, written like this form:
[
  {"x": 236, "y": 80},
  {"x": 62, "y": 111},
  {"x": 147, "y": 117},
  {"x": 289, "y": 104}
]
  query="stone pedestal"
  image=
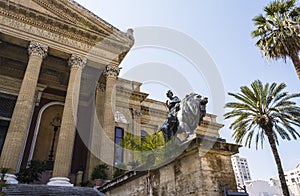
[
  {"x": 202, "y": 169},
  {"x": 60, "y": 181},
  {"x": 11, "y": 179}
]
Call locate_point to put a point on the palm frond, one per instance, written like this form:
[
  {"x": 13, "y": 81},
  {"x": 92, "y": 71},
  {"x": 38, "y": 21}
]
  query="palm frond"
[
  {"x": 261, "y": 108},
  {"x": 277, "y": 29}
]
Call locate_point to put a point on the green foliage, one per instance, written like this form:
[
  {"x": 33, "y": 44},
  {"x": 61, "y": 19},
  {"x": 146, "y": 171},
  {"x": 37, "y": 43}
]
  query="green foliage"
[
  {"x": 99, "y": 172},
  {"x": 118, "y": 172},
  {"x": 147, "y": 148},
  {"x": 86, "y": 184},
  {"x": 278, "y": 29},
  {"x": 32, "y": 173},
  {"x": 120, "y": 169},
  {"x": 150, "y": 142},
  {"x": 3, "y": 171}
]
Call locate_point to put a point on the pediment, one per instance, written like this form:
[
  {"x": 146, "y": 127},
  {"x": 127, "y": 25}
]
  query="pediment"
[
  {"x": 70, "y": 13},
  {"x": 33, "y": 5}
]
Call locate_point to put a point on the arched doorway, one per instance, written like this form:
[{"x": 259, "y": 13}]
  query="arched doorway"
[{"x": 46, "y": 133}]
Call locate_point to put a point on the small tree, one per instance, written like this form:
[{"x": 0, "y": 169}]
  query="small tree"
[
  {"x": 4, "y": 170},
  {"x": 119, "y": 170},
  {"x": 32, "y": 173},
  {"x": 99, "y": 172},
  {"x": 147, "y": 148},
  {"x": 149, "y": 151}
]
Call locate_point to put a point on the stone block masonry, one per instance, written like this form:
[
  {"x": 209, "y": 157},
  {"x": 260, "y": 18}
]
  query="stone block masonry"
[{"x": 202, "y": 169}]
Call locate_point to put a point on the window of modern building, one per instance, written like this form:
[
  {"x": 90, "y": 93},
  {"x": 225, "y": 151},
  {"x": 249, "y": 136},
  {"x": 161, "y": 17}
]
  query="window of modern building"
[
  {"x": 119, "y": 134},
  {"x": 293, "y": 180}
]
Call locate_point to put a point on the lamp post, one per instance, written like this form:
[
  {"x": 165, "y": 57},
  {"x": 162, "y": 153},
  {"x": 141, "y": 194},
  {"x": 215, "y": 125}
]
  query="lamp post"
[{"x": 55, "y": 124}]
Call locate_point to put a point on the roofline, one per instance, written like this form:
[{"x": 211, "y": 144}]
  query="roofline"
[{"x": 123, "y": 34}]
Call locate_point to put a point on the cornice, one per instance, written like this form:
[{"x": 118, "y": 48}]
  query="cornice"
[
  {"x": 68, "y": 29},
  {"x": 133, "y": 95},
  {"x": 147, "y": 110},
  {"x": 210, "y": 124},
  {"x": 97, "y": 20}
]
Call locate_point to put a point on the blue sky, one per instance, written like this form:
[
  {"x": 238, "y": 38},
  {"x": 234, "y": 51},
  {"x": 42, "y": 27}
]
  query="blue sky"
[{"x": 223, "y": 29}]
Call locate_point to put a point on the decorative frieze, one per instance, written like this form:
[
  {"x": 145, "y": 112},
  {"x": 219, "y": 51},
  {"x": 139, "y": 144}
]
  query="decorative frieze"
[
  {"x": 111, "y": 71},
  {"x": 77, "y": 61},
  {"x": 31, "y": 21},
  {"x": 37, "y": 49}
]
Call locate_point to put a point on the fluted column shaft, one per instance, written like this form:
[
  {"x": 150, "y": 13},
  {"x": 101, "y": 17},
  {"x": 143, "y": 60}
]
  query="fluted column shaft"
[
  {"x": 111, "y": 74},
  {"x": 20, "y": 121},
  {"x": 63, "y": 156}
]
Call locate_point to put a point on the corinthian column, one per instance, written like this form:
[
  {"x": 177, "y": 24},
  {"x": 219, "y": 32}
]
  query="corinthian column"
[
  {"x": 17, "y": 132},
  {"x": 107, "y": 144},
  {"x": 63, "y": 156}
]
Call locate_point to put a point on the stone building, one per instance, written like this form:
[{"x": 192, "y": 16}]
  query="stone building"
[
  {"x": 61, "y": 99},
  {"x": 58, "y": 60},
  {"x": 204, "y": 168}
]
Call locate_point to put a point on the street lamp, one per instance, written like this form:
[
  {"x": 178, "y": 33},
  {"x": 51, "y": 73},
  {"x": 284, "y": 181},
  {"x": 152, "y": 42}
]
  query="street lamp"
[{"x": 56, "y": 121}]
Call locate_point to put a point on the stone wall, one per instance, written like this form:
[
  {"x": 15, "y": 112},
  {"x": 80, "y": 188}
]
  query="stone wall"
[{"x": 202, "y": 169}]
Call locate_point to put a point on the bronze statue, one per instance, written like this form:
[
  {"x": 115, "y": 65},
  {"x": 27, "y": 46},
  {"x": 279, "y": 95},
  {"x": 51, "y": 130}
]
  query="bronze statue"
[
  {"x": 184, "y": 116},
  {"x": 170, "y": 126}
]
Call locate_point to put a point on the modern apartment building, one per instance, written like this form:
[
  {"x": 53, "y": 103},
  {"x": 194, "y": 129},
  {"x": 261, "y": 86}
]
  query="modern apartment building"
[
  {"x": 241, "y": 170},
  {"x": 292, "y": 178}
]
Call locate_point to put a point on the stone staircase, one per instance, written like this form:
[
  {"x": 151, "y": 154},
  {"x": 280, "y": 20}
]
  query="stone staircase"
[{"x": 44, "y": 190}]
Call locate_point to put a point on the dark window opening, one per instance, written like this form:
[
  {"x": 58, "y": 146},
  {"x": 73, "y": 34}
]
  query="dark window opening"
[
  {"x": 3, "y": 131},
  {"x": 7, "y": 105},
  {"x": 119, "y": 134}
]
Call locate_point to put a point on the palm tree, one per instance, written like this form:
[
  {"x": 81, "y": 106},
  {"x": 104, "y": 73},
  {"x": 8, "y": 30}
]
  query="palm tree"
[
  {"x": 264, "y": 111},
  {"x": 278, "y": 31}
]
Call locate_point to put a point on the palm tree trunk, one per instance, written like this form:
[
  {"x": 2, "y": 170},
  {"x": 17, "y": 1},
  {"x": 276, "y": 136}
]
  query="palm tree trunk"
[
  {"x": 296, "y": 61},
  {"x": 273, "y": 145}
]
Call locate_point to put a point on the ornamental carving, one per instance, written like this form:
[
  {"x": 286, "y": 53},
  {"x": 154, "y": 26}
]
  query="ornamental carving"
[
  {"x": 31, "y": 21},
  {"x": 37, "y": 49},
  {"x": 101, "y": 87},
  {"x": 120, "y": 118},
  {"x": 111, "y": 71},
  {"x": 77, "y": 61},
  {"x": 135, "y": 112}
]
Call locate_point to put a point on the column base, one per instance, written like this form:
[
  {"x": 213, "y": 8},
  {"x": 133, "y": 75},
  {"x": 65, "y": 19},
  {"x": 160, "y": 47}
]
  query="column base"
[
  {"x": 11, "y": 179},
  {"x": 60, "y": 181}
]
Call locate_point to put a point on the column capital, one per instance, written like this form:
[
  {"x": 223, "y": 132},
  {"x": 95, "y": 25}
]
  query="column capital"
[
  {"x": 111, "y": 71},
  {"x": 77, "y": 61},
  {"x": 37, "y": 49},
  {"x": 101, "y": 86}
]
